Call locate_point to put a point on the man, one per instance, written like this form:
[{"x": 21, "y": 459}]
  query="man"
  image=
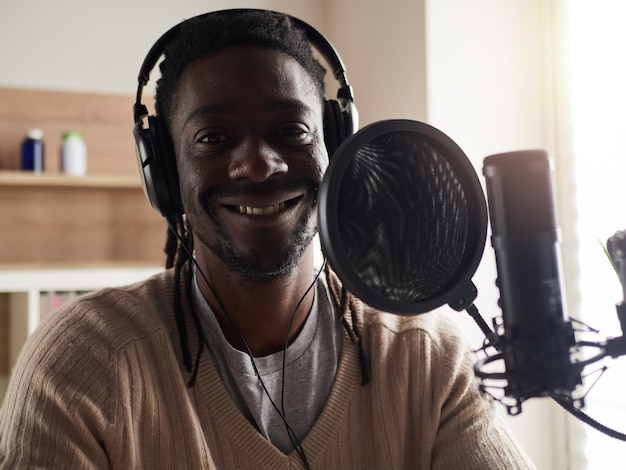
[{"x": 242, "y": 357}]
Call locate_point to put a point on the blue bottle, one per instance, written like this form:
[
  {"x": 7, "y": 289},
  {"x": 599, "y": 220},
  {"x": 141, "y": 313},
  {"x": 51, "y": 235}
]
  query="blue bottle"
[{"x": 33, "y": 151}]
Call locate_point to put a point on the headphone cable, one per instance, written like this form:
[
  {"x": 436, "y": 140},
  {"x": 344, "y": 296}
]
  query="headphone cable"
[{"x": 290, "y": 432}]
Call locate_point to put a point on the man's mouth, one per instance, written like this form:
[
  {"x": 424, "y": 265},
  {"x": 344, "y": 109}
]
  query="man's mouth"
[
  {"x": 273, "y": 209},
  {"x": 269, "y": 209}
]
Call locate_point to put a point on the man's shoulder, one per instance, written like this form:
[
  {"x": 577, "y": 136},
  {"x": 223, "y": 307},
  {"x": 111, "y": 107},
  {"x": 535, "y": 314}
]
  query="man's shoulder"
[
  {"x": 113, "y": 315},
  {"x": 435, "y": 321},
  {"x": 440, "y": 324},
  {"x": 439, "y": 327},
  {"x": 148, "y": 293}
]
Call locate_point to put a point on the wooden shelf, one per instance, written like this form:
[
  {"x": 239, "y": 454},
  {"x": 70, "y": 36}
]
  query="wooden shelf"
[
  {"x": 62, "y": 233},
  {"x": 53, "y": 179}
]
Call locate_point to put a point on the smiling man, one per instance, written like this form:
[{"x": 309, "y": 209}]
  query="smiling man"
[
  {"x": 250, "y": 142},
  {"x": 243, "y": 354}
]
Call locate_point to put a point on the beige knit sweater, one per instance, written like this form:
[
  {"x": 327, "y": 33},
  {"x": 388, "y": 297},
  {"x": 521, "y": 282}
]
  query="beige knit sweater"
[{"x": 100, "y": 385}]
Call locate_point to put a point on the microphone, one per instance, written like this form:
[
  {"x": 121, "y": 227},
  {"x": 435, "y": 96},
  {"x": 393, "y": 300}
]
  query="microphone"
[
  {"x": 535, "y": 337},
  {"x": 403, "y": 221}
]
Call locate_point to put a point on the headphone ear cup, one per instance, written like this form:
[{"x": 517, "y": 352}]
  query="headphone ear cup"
[
  {"x": 157, "y": 166},
  {"x": 334, "y": 126}
]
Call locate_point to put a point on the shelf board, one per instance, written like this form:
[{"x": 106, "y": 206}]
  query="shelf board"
[
  {"x": 60, "y": 180},
  {"x": 20, "y": 277},
  {"x": 76, "y": 265}
]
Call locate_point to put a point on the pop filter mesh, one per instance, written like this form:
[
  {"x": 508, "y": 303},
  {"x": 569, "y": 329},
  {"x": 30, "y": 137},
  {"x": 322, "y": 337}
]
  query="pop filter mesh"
[{"x": 403, "y": 217}]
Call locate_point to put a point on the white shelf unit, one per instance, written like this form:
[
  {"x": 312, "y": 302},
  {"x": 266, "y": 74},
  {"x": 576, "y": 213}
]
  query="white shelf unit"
[{"x": 23, "y": 285}]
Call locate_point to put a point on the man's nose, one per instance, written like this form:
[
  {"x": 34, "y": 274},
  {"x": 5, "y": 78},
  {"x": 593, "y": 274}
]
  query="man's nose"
[{"x": 257, "y": 161}]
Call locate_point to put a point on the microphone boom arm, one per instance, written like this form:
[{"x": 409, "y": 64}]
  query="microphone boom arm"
[{"x": 613, "y": 347}]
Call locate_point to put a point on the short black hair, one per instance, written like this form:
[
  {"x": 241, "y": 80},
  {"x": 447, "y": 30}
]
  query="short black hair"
[{"x": 209, "y": 33}]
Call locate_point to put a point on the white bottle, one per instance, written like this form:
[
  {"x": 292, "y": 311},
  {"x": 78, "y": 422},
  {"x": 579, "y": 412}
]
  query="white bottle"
[{"x": 73, "y": 154}]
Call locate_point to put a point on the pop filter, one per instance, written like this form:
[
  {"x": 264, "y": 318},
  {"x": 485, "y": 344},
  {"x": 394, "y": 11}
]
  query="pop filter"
[{"x": 403, "y": 218}]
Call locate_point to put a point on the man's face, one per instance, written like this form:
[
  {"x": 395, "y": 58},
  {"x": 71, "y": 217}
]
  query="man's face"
[{"x": 247, "y": 131}]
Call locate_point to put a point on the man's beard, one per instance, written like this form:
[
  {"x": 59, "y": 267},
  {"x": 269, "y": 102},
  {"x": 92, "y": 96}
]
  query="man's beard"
[{"x": 281, "y": 261}]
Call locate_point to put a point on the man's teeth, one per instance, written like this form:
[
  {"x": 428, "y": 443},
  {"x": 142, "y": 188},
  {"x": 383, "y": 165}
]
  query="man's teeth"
[{"x": 261, "y": 210}]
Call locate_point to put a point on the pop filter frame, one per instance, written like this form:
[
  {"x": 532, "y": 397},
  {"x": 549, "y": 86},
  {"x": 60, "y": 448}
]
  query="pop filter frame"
[{"x": 459, "y": 292}]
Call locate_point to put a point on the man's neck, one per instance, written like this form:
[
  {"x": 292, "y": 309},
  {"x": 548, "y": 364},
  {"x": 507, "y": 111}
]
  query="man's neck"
[{"x": 259, "y": 312}]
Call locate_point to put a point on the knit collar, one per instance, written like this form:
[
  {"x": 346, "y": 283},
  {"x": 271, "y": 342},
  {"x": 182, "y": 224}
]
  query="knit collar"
[{"x": 215, "y": 405}]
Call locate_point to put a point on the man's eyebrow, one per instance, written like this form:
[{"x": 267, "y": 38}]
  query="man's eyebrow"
[
  {"x": 212, "y": 109},
  {"x": 288, "y": 103},
  {"x": 284, "y": 104}
]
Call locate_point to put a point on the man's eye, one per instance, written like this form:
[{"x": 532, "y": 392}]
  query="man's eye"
[
  {"x": 295, "y": 132},
  {"x": 213, "y": 138}
]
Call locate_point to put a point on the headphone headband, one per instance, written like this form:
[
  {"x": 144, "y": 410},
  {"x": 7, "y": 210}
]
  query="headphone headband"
[{"x": 317, "y": 39}]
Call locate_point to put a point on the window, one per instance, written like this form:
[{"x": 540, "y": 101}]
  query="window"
[{"x": 598, "y": 71}]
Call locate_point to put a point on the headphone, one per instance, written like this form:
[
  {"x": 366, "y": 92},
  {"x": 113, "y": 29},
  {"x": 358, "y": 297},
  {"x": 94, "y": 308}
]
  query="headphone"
[{"x": 154, "y": 147}]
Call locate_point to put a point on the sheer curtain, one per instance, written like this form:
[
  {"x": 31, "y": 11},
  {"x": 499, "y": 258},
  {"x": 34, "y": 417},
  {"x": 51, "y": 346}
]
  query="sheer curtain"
[{"x": 594, "y": 202}]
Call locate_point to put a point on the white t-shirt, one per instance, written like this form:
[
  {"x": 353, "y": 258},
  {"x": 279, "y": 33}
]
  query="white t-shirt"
[{"x": 309, "y": 370}]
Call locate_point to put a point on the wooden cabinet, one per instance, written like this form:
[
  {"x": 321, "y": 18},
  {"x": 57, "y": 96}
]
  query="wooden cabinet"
[{"x": 57, "y": 218}]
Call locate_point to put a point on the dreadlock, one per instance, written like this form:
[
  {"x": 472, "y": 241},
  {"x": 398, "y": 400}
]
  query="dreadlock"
[
  {"x": 178, "y": 250},
  {"x": 199, "y": 37},
  {"x": 348, "y": 302}
]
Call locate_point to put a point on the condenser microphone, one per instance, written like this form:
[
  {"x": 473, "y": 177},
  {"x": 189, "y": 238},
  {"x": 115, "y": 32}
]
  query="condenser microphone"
[{"x": 536, "y": 338}]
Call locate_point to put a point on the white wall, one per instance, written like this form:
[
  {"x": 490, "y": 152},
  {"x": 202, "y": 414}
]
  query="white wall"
[
  {"x": 96, "y": 46},
  {"x": 383, "y": 45},
  {"x": 473, "y": 69}
]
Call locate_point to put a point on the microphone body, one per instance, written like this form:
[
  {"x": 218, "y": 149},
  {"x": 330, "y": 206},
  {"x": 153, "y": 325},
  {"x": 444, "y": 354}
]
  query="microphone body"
[{"x": 536, "y": 338}]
